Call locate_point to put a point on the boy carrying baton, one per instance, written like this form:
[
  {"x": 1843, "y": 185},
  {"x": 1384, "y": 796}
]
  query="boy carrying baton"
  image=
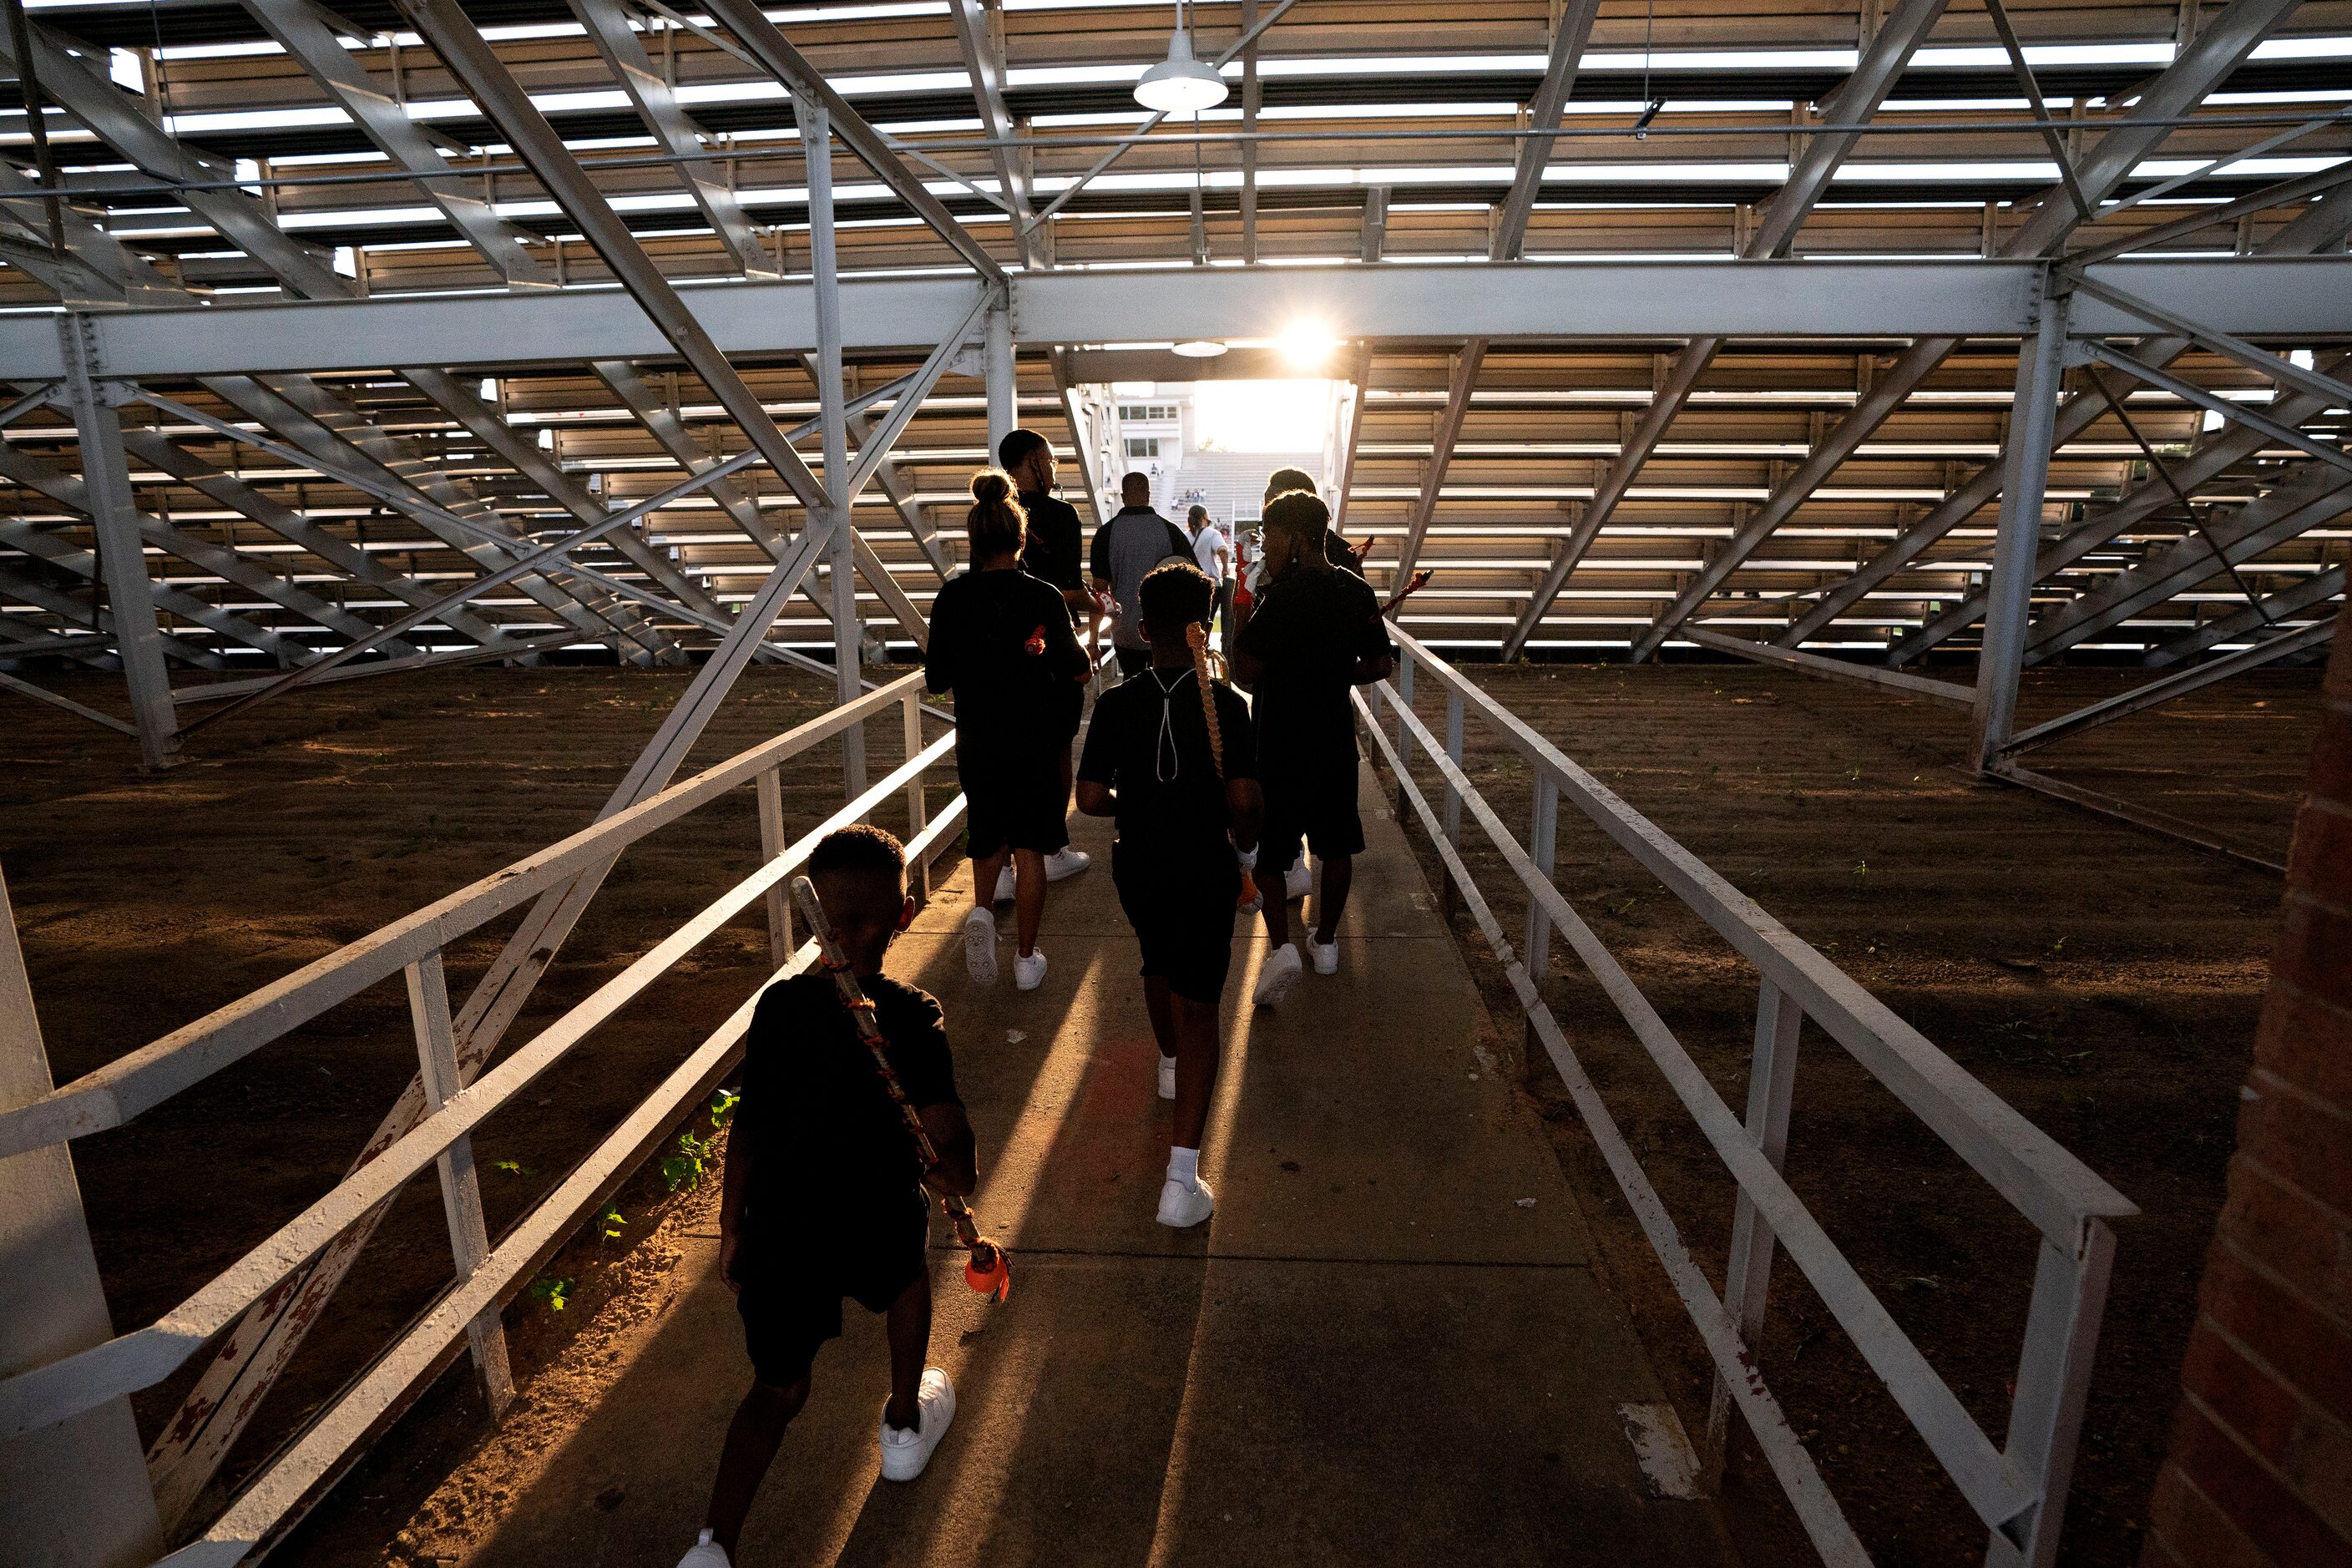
[{"x": 823, "y": 1194}]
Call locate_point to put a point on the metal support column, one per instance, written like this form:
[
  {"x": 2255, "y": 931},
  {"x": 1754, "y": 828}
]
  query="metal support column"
[
  {"x": 1004, "y": 387},
  {"x": 2009, "y": 593},
  {"x": 75, "y": 1494},
  {"x": 121, "y": 555},
  {"x": 841, "y": 567}
]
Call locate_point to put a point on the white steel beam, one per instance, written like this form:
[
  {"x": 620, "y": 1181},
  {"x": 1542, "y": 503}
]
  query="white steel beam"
[
  {"x": 2229, "y": 448},
  {"x": 2139, "y": 699},
  {"x": 749, "y": 23},
  {"x": 2305, "y": 501},
  {"x": 1504, "y": 243},
  {"x": 2267, "y": 611},
  {"x": 312, "y": 37},
  {"x": 1855, "y": 102},
  {"x": 2289, "y": 297},
  {"x": 607, "y": 26},
  {"x": 983, "y": 60},
  {"x": 2198, "y": 66}
]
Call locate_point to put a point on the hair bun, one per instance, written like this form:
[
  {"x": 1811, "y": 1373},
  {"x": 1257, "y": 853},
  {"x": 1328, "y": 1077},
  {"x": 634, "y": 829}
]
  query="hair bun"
[{"x": 990, "y": 485}]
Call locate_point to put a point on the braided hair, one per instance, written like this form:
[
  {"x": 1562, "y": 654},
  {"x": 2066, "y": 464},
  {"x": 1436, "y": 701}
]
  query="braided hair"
[
  {"x": 1180, "y": 593},
  {"x": 1204, "y": 676}
]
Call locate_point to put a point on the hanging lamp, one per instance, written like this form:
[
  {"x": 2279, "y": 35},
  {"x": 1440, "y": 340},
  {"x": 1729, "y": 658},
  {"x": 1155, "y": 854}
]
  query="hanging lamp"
[{"x": 1180, "y": 84}]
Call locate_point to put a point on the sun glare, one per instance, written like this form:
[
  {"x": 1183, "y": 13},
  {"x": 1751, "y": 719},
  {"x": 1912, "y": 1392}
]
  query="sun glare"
[
  {"x": 1306, "y": 346},
  {"x": 1261, "y": 415}
]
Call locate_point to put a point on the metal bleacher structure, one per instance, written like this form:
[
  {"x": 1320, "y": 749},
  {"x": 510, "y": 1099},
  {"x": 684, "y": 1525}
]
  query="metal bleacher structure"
[{"x": 340, "y": 342}]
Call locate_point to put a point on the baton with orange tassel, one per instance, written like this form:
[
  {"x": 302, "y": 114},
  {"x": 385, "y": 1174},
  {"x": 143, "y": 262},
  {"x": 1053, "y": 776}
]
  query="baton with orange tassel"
[{"x": 989, "y": 1271}]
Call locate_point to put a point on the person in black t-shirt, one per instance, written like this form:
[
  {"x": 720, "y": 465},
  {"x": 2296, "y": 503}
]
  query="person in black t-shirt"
[
  {"x": 1000, "y": 640},
  {"x": 823, "y": 1197},
  {"x": 1183, "y": 789},
  {"x": 1053, "y": 548},
  {"x": 1317, "y": 632}
]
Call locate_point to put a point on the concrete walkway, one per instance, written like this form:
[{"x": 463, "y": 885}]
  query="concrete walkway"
[{"x": 1373, "y": 1353}]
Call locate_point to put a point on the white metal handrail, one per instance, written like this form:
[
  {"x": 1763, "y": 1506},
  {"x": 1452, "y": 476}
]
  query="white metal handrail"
[
  {"x": 485, "y": 1277},
  {"x": 2019, "y": 1489},
  {"x": 137, "y": 1082}
]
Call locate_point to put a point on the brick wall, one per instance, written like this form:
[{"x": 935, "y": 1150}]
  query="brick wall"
[{"x": 2260, "y": 1472}]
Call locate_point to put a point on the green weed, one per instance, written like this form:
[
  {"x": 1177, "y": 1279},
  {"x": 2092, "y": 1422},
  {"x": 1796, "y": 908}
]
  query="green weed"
[{"x": 552, "y": 1291}]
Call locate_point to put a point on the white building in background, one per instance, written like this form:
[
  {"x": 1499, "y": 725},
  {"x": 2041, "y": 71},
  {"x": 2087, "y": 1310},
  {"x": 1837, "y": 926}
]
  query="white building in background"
[{"x": 1212, "y": 443}]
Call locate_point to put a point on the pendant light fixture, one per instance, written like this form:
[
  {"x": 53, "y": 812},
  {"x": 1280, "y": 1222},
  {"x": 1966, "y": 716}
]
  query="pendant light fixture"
[{"x": 1180, "y": 84}]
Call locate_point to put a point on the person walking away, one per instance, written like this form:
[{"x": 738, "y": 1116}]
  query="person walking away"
[
  {"x": 822, "y": 1195},
  {"x": 1315, "y": 633},
  {"x": 1337, "y": 550},
  {"x": 1171, "y": 754},
  {"x": 1214, "y": 553},
  {"x": 1054, "y": 549},
  {"x": 1131, "y": 544},
  {"x": 1000, "y": 640}
]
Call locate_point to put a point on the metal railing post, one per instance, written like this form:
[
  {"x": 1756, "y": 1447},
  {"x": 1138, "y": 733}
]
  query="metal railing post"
[
  {"x": 461, "y": 1187},
  {"x": 772, "y": 844},
  {"x": 919, "y": 814},
  {"x": 2054, "y": 1380},
  {"x": 1447, "y": 892},
  {"x": 1772, "y": 1079},
  {"x": 1404, "y": 703},
  {"x": 1543, "y": 827}
]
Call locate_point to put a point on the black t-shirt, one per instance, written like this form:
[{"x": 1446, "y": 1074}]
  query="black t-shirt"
[
  {"x": 1055, "y": 549},
  {"x": 1149, "y": 742},
  {"x": 1001, "y": 642},
  {"x": 834, "y": 1157},
  {"x": 1340, "y": 554},
  {"x": 1308, "y": 630}
]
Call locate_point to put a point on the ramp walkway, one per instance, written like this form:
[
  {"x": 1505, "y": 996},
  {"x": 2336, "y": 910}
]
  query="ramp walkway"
[{"x": 1377, "y": 1350}]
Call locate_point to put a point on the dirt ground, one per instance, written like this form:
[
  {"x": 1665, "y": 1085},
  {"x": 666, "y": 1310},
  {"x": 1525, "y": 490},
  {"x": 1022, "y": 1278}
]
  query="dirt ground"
[
  {"x": 144, "y": 903},
  {"x": 2100, "y": 979}
]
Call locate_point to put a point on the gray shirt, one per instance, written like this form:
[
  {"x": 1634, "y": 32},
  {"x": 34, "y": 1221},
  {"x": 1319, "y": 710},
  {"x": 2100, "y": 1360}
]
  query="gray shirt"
[{"x": 1126, "y": 548}]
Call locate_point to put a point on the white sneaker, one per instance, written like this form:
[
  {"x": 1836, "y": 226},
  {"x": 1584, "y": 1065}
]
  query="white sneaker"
[
  {"x": 1281, "y": 972},
  {"x": 1181, "y": 1206},
  {"x": 1028, "y": 974},
  {"x": 1299, "y": 880},
  {"x": 1167, "y": 1078},
  {"x": 1325, "y": 956},
  {"x": 904, "y": 1454},
  {"x": 1005, "y": 883},
  {"x": 1065, "y": 862},
  {"x": 704, "y": 1553},
  {"x": 980, "y": 946}
]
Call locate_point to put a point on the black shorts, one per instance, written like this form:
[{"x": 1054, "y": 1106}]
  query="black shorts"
[
  {"x": 792, "y": 1308},
  {"x": 1013, "y": 799},
  {"x": 1184, "y": 918},
  {"x": 1318, "y": 808}
]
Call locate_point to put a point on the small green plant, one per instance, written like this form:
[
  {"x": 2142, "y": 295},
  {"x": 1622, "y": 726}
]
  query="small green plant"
[
  {"x": 1857, "y": 775},
  {"x": 722, "y": 1107},
  {"x": 610, "y": 1222},
  {"x": 683, "y": 1168},
  {"x": 510, "y": 1167},
  {"x": 1860, "y": 872},
  {"x": 553, "y": 1292},
  {"x": 2057, "y": 947}
]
